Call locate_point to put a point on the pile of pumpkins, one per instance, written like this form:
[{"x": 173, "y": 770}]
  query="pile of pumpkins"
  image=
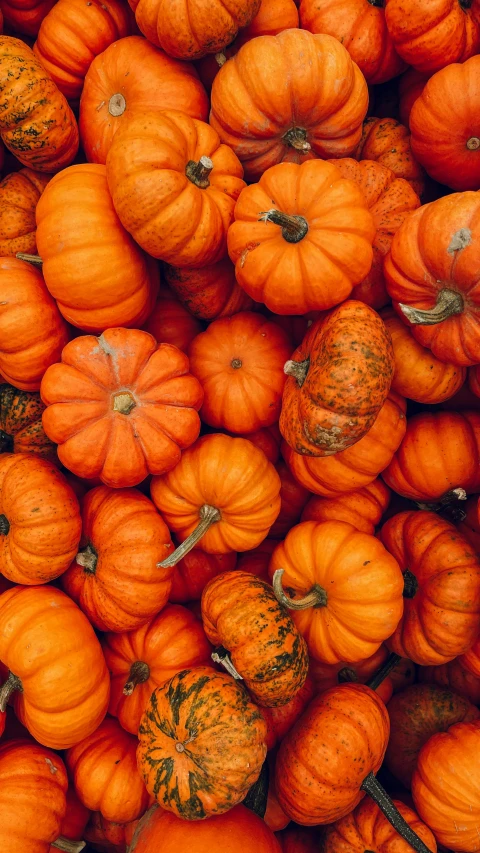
[{"x": 240, "y": 426}]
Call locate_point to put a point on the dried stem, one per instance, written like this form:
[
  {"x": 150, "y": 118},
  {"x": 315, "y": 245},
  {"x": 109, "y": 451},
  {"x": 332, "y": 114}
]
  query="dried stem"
[
  {"x": 139, "y": 673},
  {"x": 378, "y": 794},
  {"x": 317, "y": 597},
  {"x": 448, "y": 303},
  {"x": 198, "y": 173},
  {"x": 208, "y": 515},
  {"x": 221, "y": 655},
  {"x": 30, "y": 259},
  {"x": 294, "y": 228},
  {"x": 12, "y": 683},
  {"x": 298, "y": 369}
]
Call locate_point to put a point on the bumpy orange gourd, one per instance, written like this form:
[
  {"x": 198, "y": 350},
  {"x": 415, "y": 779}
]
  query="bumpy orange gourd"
[
  {"x": 40, "y": 522},
  {"x": 21, "y": 429},
  {"x": 366, "y": 828},
  {"x": 120, "y": 407},
  {"x": 387, "y": 142},
  {"x": 171, "y": 323},
  {"x": 290, "y": 244},
  {"x": 209, "y": 292},
  {"x": 19, "y": 194},
  {"x": 363, "y": 508}
]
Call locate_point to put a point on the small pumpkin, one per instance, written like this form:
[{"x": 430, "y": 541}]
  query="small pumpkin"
[
  {"x": 298, "y": 255},
  {"x": 453, "y": 676},
  {"x": 19, "y": 194},
  {"x": 325, "y": 675},
  {"x": 73, "y": 824},
  {"x": 40, "y": 522},
  {"x": 192, "y": 573},
  {"x": 470, "y": 660},
  {"x": 410, "y": 87},
  {"x": 106, "y": 836},
  {"x": 267, "y": 439},
  {"x": 120, "y": 407},
  {"x": 21, "y": 429},
  {"x": 210, "y": 292},
  {"x": 241, "y": 615},
  {"x": 57, "y": 670},
  {"x": 281, "y": 718},
  {"x": 186, "y": 737},
  {"x": 293, "y": 496},
  {"x": 111, "y": 92},
  {"x": 388, "y": 142},
  {"x": 363, "y": 508},
  {"x": 257, "y": 560},
  {"x": 171, "y": 323},
  {"x": 367, "y": 828},
  {"x": 142, "y": 660},
  {"x": 239, "y": 363}
]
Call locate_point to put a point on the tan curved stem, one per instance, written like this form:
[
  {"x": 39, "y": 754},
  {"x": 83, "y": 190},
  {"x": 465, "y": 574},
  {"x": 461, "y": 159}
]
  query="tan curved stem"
[
  {"x": 222, "y": 657},
  {"x": 448, "y": 303},
  {"x": 294, "y": 228},
  {"x": 30, "y": 259},
  {"x": 87, "y": 559},
  {"x": 12, "y": 683},
  {"x": 68, "y": 846},
  {"x": 198, "y": 173},
  {"x": 298, "y": 369},
  {"x": 208, "y": 515},
  {"x": 139, "y": 673},
  {"x": 317, "y": 597}
]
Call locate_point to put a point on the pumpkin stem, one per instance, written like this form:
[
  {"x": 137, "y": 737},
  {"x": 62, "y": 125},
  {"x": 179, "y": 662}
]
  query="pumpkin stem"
[
  {"x": 410, "y": 584},
  {"x": 220, "y": 59},
  {"x": 473, "y": 144},
  {"x": 4, "y": 525},
  {"x": 30, "y": 259},
  {"x": 298, "y": 369},
  {"x": 198, "y": 173},
  {"x": 123, "y": 402},
  {"x": 12, "y": 683},
  {"x": 139, "y": 673},
  {"x": 236, "y": 363},
  {"x": 257, "y": 797},
  {"x": 380, "y": 676},
  {"x": 294, "y": 228},
  {"x": 448, "y": 504},
  {"x": 88, "y": 559},
  {"x": 378, "y": 794},
  {"x": 220, "y": 655},
  {"x": 208, "y": 515},
  {"x": 296, "y": 137},
  {"x": 377, "y": 3},
  {"x": 117, "y": 105},
  {"x": 317, "y": 597},
  {"x": 448, "y": 303},
  {"x": 6, "y": 442},
  {"x": 347, "y": 675},
  {"x": 68, "y": 846}
]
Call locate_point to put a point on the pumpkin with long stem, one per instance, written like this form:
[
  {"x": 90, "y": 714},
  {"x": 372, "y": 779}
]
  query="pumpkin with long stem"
[{"x": 367, "y": 828}]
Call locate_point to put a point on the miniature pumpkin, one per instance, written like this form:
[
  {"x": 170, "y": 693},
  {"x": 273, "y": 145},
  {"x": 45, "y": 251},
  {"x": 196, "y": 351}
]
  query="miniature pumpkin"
[
  {"x": 470, "y": 660},
  {"x": 40, "y": 522},
  {"x": 142, "y": 660},
  {"x": 298, "y": 255},
  {"x": 373, "y": 668},
  {"x": 73, "y": 824},
  {"x": 32, "y": 331},
  {"x": 120, "y": 407},
  {"x": 293, "y": 496},
  {"x": 453, "y": 676},
  {"x": 289, "y": 97},
  {"x": 21, "y": 429},
  {"x": 209, "y": 292},
  {"x": 388, "y": 142},
  {"x": 410, "y": 87},
  {"x": 43, "y": 134},
  {"x": 186, "y": 737},
  {"x": 257, "y": 560},
  {"x": 115, "y": 578},
  {"x": 171, "y": 323},
  {"x": 19, "y": 194},
  {"x": 338, "y": 380},
  {"x": 25, "y": 16},
  {"x": 367, "y": 828},
  {"x": 363, "y": 508},
  {"x": 98, "y": 275},
  {"x": 267, "y": 439},
  {"x": 344, "y": 588},
  {"x": 281, "y": 718},
  {"x": 240, "y": 614},
  {"x": 111, "y": 91},
  {"x": 191, "y": 575},
  {"x": 57, "y": 670},
  {"x": 239, "y": 363}
]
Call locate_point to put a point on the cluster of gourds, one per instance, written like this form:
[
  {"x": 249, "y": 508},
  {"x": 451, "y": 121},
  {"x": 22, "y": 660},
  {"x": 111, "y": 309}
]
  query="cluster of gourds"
[{"x": 240, "y": 426}]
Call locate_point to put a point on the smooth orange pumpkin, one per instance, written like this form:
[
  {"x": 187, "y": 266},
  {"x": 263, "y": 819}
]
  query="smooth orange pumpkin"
[
  {"x": 120, "y": 407},
  {"x": 388, "y": 142},
  {"x": 191, "y": 575},
  {"x": 21, "y": 429},
  {"x": 209, "y": 292},
  {"x": 19, "y": 194},
  {"x": 171, "y": 323},
  {"x": 367, "y": 828},
  {"x": 363, "y": 508}
]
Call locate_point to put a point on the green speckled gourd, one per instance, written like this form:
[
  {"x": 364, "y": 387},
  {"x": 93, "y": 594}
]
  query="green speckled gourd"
[{"x": 21, "y": 429}]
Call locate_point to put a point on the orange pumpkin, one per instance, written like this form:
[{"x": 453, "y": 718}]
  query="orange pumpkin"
[
  {"x": 43, "y": 134},
  {"x": 432, "y": 276},
  {"x": 19, "y": 194},
  {"x": 453, "y": 676},
  {"x": 389, "y": 199},
  {"x": 281, "y": 718},
  {"x": 274, "y": 816},
  {"x": 267, "y": 439},
  {"x": 120, "y": 407},
  {"x": 257, "y": 560},
  {"x": 240, "y": 615},
  {"x": 73, "y": 34},
  {"x": 73, "y": 824},
  {"x": 293, "y": 496},
  {"x": 209, "y": 292},
  {"x": 419, "y": 375},
  {"x": 410, "y": 87},
  {"x": 111, "y": 92},
  {"x": 92, "y": 267},
  {"x": 470, "y": 660},
  {"x": 21, "y": 429},
  {"x": 289, "y": 97},
  {"x": 58, "y": 673},
  {"x": 186, "y": 737},
  {"x": 32, "y": 331},
  {"x": 171, "y": 323},
  {"x": 225, "y": 490},
  {"x": 40, "y": 522},
  {"x": 363, "y": 508},
  {"x": 106, "y": 836},
  {"x": 298, "y": 255},
  {"x": 357, "y": 466},
  {"x": 388, "y": 142},
  {"x": 344, "y": 589},
  {"x": 33, "y": 787},
  {"x": 239, "y": 363},
  {"x": 326, "y": 675},
  {"x": 191, "y": 574},
  {"x": 142, "y": 660},
  {"x": 115, "y": 577},
  {"x": 367, "y": 828}
]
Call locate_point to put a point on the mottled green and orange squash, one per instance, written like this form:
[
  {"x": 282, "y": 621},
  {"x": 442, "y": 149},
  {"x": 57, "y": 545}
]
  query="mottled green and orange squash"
[
  {"x": 36, "y": 123},
  {"x": 241, "y": 614},
  {"x": 338, "y": 380},
  {"x": 19, "y": 194},
  {"x": 21, "y": 429},
  {"x": 202, "y": 743}
]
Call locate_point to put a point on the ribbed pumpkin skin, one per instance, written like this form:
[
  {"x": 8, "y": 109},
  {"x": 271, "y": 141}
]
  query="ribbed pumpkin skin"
[
  {"x": 75, "y": 820},
  {"x": 471, "y": 659},
  {"x": 366, "y": 828},
  {"x": 44, "y": 133},
  {"x": 159, "y": 83},
  {"x": 363, "y": 509},
  {"x": 98, "y": 275},
  {"x": 171, "y": 323},
  {"x": 19, "y": 194},
  {"x": 120, "y": 407},
  {"x": 186, "y": 738},
  {"x": 73, "y": 34},
  {"x": 357, "y": 466},
  {"x": 294, "y": 496},
  {"x": 279, "y": 84},
  {"x": 237, "y": 831},
  {"x": 410, "y": 87},
  {"x": 240, "y": 613},
  {"x": 388, "y": 142},
  {"x": 209, "y": 292},
  {"x": 33, "y": 787},
  {"x": 189, "y": 30},
  {"x": 416, "y": 714},
  {"x": 445, "y": 786},
  {"x": 192, "y": 573},
  {"x": 172, "y": 641},
  {"x": 324, "y": 759},
  {"x": 442, "y": 618},
  {"x": 454, "y": 677},
  {"x": 115, "y": 579},
  {"x": 104, "y": 773},
  {"x": 52, "y": 648},
  {"x": 231, "y": 474},
  {"x": 21, "y": 429},
  {"x": 43, "y": 520},
  {"x": 25, "y": 16},
  {"x": 32, "y": 330},
  {"x": 326, "y": 675},
  {"x": 281, "y": 718}
]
